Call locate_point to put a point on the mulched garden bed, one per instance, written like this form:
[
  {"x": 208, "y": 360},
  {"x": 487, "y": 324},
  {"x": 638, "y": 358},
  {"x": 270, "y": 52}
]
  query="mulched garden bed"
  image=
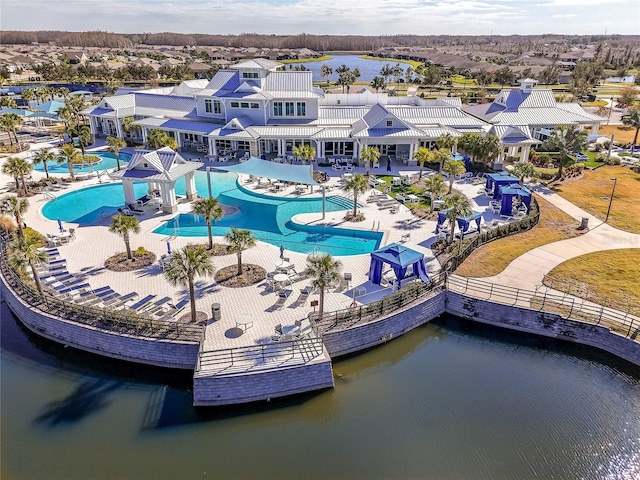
[
  {"x": 251, "y": 274},
  {"x": 120, "y": 263}
]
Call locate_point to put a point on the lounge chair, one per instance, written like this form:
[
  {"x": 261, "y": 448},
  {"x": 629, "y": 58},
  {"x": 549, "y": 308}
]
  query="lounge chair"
[
  {"x": 304, "y": 295},
  {"x": 125, "y": 212},
  {"x": 282, "y": 298},
  {"x": 133, "y": 208},
  {"x": 140, "y": 304}
]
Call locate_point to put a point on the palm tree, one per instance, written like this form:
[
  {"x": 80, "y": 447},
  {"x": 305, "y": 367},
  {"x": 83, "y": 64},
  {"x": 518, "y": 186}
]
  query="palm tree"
[
  {"x": 423, "y": 155},
  {"x": 70, "y": 155},
  {"x": 128, "y": 126},
  {"x": 211, "y": 211},
  {"x": 17, "y": 167},
  {"x": 369, "y": 155},
  {"x": 469, "y": 143},
  {"x": 84, "y": 139},
  {"x": 116, "y": 144},
  {"x": 325, "y": 71},
  {"x": 488, "y": 148},
  {"x": 183, "y": 267},
  {"x": 122, "y": 225},
  {"x": 447, "y": 141},
  {"x": 25, "y": 250},
  {"x": 378, "y": 83},
  {"x": 8, "y": 102},
  {"x": 28, "y": 95},
  {"x": 9, "y": 122},
  {"x": 304, "y": 152},
  {"x": 632, "y": 119},
  {"x": 43, "y": 156},
  {"x": 569, "y": 139},
  {"x": 457, "y": 205},
  {"x": 323, "y": 271},
  {"x": 239, "y": 240},
  {"x": 357, "y": 184},
  {"x": 434, "y": 185},
  {"x": 158, "y": 139},
  {"x": 442, "y": 156},
  {"x": 16, "y": 207},
  {"x": 524, "y": 170},
  {"x": 453, "y": 168}
]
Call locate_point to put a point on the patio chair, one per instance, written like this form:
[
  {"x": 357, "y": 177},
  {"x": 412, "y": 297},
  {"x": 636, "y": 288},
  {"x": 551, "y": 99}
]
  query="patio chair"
[
  {"x": 125, "y": 212},
  {"x": 133, "y": 209},
  {"x": 401, "y": 198},
  {"x": 282, "y": 298},
  {"x": 405, "y": 238}
]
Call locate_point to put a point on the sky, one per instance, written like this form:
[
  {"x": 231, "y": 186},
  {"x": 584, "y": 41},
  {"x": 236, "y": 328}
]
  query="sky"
[{"x": 355, "y": 17}]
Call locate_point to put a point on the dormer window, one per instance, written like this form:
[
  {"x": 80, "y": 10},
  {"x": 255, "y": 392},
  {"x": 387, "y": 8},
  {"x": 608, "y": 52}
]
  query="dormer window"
[
  {"x": 106, "y": 105},
  {"x": 145, "y": 165},
  {"x": 233, "y": 125},
  {"x": 389, "y": 123},
  {"x": 249, "y": 74}
]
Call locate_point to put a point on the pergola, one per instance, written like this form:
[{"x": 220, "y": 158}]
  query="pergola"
[
  {"x": 400, "y": 258},
  {"x": 160, "y": 169}
]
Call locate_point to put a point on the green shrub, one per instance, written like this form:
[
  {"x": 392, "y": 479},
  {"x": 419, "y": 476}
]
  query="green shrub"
[
  {"x": 546, "y": 173},
  {"x": 140, "y": 251}
]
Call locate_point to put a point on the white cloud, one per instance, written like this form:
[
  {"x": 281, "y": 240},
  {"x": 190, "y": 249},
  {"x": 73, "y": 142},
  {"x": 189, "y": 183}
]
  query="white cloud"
[{"x": 566, "y": 15}]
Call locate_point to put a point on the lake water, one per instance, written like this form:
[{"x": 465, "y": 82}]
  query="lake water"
[
  {"x": 449, "y": 401},
  {"x": 368, "y": 68}
]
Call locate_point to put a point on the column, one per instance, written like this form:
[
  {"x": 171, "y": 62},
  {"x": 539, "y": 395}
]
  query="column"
[
  {"x": 93, "y": 123},
  {"x": 168, "y": 195},
  {"x": 356, "y": 149},
  {"x": 524, "y": 158},
  {"x": 190, "y": 180},
  {"x": 119, "y": 129},
  {"x": 280, "y": 147},
  {"x": 594, "y": 128},
  {"x": 144, "y": 135},
  {"x": 176, "y": 135},
  {"x": 129, "y": 194},
  {"x": 412, "y": 147},
  {"x": 213, "y": 150}
]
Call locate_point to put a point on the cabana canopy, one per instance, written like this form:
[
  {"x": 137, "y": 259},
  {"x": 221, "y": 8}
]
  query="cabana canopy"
[
  {"x": 400, "y": 258},
  {"x": 509, "y": 192},
  {"x": 464, "y": 222},
  {"x": 502, "y": 182},
  {"x": 280, "y": 171},
  {"x": 492, "y": 177},
  {"x": 442, "y": 217}
]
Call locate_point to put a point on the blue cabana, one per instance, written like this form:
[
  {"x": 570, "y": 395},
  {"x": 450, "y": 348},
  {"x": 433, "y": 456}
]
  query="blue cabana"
[
  {"x": 442, "y": 217},
  {"x": 464, "y": 222},
  {"x": 400, "y": 258},
  {"x": 500, "y": 183},
  {"x": 509, "y": 192},
  {"x": 492, "y": 177}
]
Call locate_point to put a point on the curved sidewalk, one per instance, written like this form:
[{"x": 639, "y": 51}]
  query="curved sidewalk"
[{"x": 528, "y": 270}]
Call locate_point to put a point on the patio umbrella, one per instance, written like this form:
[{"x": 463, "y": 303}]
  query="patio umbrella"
[
  {"x": 388, "y": 164},
  {"x": 169, "y": 248},
  {"x": 60, "y": 225},
  {"x": 281, "y": 252}
]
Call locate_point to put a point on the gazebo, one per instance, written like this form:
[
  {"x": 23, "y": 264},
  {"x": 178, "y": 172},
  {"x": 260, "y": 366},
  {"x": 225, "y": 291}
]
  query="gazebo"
[
  {"x": 465, "y": 222},
  {"x": 400, "y": 258},
  {"x": 509, "y": 192},
  {"x": 160, "y": 169},
  {"x": 497, "y": 180}
]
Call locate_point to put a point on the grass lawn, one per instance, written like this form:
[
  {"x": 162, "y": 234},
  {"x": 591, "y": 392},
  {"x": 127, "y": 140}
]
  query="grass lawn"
[
  {"x": 492, "y": 258},
  {"x": 622, "y": 133},
  {"x": 392, "y": 61},
  {"x": 406, "y": 189},
  {"x": 610, "y": 278},
  {"x": 324, "y": 58},
  {"x": 592, "y": 192}
]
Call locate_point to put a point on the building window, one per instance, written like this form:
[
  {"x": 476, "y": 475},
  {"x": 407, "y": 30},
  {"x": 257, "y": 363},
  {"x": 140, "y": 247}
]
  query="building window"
[
  {"x": 235, "y": 105},
  {"x": 389, "y": 123},
  {"x": 244, "y": 104},
  {"x": 277, "y": 109},
  {"x": 208, "y": 106},
  {"x": 217, "y": 107},
  {"x": 289, "y": 109},
  {"x": 301, "y": 109},
  {"x": 255, "y": 105},
  {"x": 249, "y": 74}
]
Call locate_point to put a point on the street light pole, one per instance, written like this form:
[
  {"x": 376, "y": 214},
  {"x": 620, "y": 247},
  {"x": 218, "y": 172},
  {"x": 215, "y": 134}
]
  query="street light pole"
[{"x": 613, "y": 191}]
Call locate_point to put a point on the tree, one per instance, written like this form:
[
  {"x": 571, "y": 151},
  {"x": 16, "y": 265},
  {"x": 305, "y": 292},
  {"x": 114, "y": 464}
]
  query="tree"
[
  {"x": 628, "y": 96},
  {"x": 453, "y": 168},
  {"x": 211, "y": 210},
  {"x": 378, "y": 83},
  {"x": 43, "y": 156},
  {"x": 423, "y": 155},
  {"x": 524, "y": 170},
  {"x": 84, "y": 139},
  {"x": 323, "y": 271},
  {"x": 457, "y": 205},
  {"x": 129, "y": 127},
  {"x": 585, "y": 77},
  {"x": 325, "y": 72},
  {"x": 488, "y": 148},
  {"x": 183, "y": 267},
  {"x": 442, "y": 156},
  {"x": 432, "y": 75},
  {"x": 18, "y": 168},
  {"x": 28, "y": 95},
  {"x": 15, "y": 207},
  {"x": 9, "y": 122},
  {"x": 369, "y": 155},
  {"x": 70, "y": 155},
  {"x": 346, "y": 79},
  {"x": 25, "y": 250},
  {"x": 569, "y": 140},
  {"x": 239, "y": 240},
  {"x": 122, "y": 225},
  {"x": 408, "y": 74},
  {"x": 116, "y": 144},
  {"x": 387, "y": 72},
  {"x": 483, "y": 77},
  {"x": 357, "y": 184},
  {"x": 632, "y": 119},
  {"x": 435, "y": 186},
  {"x": 398, "y": 72},
  {"x": 304, "y": 152},
  {"x": 469, "y": 143},
  {"x": 447, "y": 141},
  {"x": 159, "y": 139},
  {"x": 8, "y": 102},
  {"x": 505, "y": 76}
]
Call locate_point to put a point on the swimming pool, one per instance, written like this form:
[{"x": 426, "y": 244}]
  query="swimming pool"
[
  {"x": 107, "y": 162},
  {"x": 269, "y": 218}
]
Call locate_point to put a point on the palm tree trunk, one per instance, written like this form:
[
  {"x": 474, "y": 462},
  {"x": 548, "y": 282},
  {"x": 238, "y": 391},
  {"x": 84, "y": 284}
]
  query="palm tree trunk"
[
  {"x": 24, "y": 184},
  {"x": 210, "y": 235},
  {"x": 420, "y": 176},
  {"x": 70, "y": 168},
  {"x": 450, "y": 182},
  {"x": 46, "y": 169},
  {"x": 17, "y": 182},
  {"x": 19, "y": 223},
  {"x": 321, "y": 304},
  {"x": 36, "y": 278},
  {"x": 118, "y": 160},
  {"x": 431, "y": 202},
  {"x": 355, "y": 205},
  {"x": 239, "y": 255},
  {"x": 452, "y": 227},
  {"x": 635, "y": 139},
  {"x": 126, "y": 242},
  {"x": 192, "y": 300}
]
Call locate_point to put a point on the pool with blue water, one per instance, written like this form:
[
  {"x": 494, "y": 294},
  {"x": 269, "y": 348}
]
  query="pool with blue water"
[
  {"x": 269, "y": 218},
  {"x": 107, "y": 162}
]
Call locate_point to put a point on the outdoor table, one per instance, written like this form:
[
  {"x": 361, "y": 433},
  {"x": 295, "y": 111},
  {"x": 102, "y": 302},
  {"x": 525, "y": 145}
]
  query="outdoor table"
[
  {"x": 413, "y": 198},
  {"x": 244, "y": 322},
  {"x": 347, "y": 176},
  {"x": 286, "y": 266},
  {"x": 278, "y": 185},
  {"x": 281, "y": 278}
]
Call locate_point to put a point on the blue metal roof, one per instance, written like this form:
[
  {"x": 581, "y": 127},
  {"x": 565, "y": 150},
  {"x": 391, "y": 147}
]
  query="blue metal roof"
[{"x": 395, "y": 254}]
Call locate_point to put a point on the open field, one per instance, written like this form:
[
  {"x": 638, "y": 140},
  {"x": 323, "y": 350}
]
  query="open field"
[
  {"x": 592, "y": 192},
  {"x": 622, "y": 133},
  {"x": 492, "y": 258},
  {"x": 610, "y": 278}
]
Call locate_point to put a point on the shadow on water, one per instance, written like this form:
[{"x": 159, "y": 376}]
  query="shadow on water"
[{"x": 89, "y": 397}]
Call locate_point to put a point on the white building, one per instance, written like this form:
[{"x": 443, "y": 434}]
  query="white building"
[{"x": 256, "y": 108}]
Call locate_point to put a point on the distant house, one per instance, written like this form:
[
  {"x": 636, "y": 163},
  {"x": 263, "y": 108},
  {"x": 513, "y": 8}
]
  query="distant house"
[{"x": 75, "y": 57}]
